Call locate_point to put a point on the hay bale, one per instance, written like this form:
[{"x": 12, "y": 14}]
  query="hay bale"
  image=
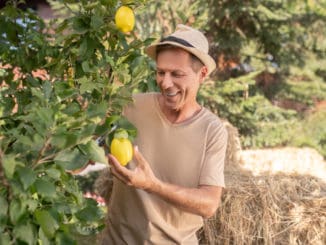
[
  {"x": 279, "y": 209},
  {"x": 272, "y": 196},
  {"x": 233, "y": 150}
]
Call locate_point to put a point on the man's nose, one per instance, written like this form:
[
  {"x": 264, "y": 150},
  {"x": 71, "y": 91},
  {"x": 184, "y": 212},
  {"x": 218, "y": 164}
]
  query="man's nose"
[{"x": 166, "y": 81}]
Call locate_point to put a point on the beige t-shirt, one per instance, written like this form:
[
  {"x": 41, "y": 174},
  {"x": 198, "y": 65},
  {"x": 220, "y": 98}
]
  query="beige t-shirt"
[{"x": 188, "y": 154}]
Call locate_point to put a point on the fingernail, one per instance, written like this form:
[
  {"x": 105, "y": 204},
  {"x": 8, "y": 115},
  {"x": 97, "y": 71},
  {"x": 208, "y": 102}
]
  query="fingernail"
[{"x": 136, "y": 147}]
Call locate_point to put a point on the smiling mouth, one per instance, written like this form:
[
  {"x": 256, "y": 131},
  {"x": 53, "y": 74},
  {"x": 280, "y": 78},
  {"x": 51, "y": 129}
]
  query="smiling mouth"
[{"x": 171, "y": 94}]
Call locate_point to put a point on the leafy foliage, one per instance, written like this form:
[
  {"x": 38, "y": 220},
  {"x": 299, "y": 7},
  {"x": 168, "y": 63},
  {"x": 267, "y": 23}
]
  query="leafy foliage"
[
  {"x": 311, "y": 132},
  {"x": 242, "y": 104},
  {"x": 281, "y": 31},
  {"x": 64, "y": 84}
]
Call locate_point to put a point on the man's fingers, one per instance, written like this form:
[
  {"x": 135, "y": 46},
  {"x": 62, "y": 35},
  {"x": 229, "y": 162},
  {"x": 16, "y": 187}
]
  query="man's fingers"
[
  {"x": 113, "y": 160},
  {"x": 119, "y": 176},
  {"x": 138, "y": 156},
  {"x": 119, "y": 171}
]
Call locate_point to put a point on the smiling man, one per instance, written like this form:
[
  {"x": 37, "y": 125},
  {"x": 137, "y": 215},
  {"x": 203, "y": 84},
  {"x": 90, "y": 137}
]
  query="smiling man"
[{"x": 176, "y": 177}]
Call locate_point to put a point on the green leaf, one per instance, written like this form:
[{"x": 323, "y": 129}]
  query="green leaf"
[
  {"x": 85, "y": 66},
  {"x": 37, "y": 93},
  {"x": 89, "y": 214},
  {"x": 88, "y": 47},
  {"x": 71, "y": 108},
  {"x": 71, "y": 159},
  {"x": 80, "y": 25},
  {"x": 16, "y": 210},
  {"x": 32, "y": 82},
  {"x": 46, "y": 116},
  {"x": 96, "y": 22},
  {"x": 47, "y": 90},
  {"x": 31, "y": 204},
  {"x": 64, "y": 239},
  {"x": 122, "y": 73},
  {"x": 107, "y": 125},
  {"x": 27, "y": 176},
  {"x": 53, "y": 173},
  {"x": 86, "y": 85},
  {"x": 86, "y": 133},
  {"x": 26, "y": 233},
  {"x": 3, "y": 209},
  {"x": 83, "y": 48},
  {"x": 9, "y": 164},
  {"x": 6, "y": 105},
  {"x": 64, "y": 139},
  {"x": 97, "y": 110},
  {"x": 43, "y": 238},
  {"x": 95, "y": 152},
  {"x": 64, "y": 91},
  {"x": 5, "y": 239},
  {"x": 45, "y": 188},
  {"x": 128, "y": 126},
  {"x": 47, "y": 222}
]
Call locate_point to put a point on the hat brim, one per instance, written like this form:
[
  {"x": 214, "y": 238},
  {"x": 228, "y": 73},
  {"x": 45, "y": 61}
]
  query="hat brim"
[{"x": 207, "y": 60}]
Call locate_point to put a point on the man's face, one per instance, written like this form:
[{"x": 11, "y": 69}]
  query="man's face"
[{"x": 178, "y": 82}]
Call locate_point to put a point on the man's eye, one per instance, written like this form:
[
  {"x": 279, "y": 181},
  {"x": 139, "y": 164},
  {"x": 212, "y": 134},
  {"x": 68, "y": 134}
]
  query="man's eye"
[
  {"x": 160, "y": 73},
  {"x": 177, "y": 75}
]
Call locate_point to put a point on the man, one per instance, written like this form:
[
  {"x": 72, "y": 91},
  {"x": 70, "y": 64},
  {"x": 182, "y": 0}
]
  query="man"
[{"x": 176, "y": 177}]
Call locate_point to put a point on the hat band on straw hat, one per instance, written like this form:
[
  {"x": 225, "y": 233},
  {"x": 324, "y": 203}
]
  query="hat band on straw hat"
[{"x": 177, "y": 40}]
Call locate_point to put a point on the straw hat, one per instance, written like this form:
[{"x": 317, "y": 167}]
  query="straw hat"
[{"x": 190, "y": 40}]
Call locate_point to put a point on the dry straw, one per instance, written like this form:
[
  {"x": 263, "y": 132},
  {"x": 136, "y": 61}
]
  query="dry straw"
[
  {"x": 266, "y": 209},
  {"x": 276, "y": 209}
]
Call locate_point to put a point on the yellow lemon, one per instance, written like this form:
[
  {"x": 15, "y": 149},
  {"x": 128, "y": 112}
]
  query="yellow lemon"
[
  {"x": 125, "y": 19},
  {"x": 121, "y": 147}
]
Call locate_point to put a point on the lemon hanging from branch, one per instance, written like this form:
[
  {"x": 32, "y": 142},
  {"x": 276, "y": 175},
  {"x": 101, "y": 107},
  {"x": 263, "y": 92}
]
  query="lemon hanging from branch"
[
  {"x": 125, "y": 19},
  {"x": 121, "y": 147}
]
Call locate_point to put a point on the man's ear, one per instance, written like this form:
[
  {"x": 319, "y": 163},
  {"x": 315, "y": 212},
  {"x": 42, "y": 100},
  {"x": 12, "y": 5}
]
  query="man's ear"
[{"x": 203, "y": 73}]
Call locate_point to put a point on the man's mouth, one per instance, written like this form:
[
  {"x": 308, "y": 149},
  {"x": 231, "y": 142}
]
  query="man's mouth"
[{"x": 171, "y": 94}]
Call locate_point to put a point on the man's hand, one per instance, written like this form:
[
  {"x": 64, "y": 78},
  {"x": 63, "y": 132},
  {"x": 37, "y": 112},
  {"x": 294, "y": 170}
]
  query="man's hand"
[{"x": 141, "y": 177}]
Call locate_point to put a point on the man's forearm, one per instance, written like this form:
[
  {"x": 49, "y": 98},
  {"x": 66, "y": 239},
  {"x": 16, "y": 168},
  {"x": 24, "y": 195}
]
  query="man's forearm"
[{"x": 202, "y": 201}]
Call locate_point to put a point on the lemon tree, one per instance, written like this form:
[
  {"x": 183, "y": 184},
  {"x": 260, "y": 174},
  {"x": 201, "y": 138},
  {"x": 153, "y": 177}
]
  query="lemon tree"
[{"x": 63, "y": 85}]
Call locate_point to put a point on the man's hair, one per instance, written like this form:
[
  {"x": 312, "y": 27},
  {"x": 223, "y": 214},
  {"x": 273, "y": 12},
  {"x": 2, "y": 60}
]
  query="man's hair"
[{"x": 196, "y": 64}]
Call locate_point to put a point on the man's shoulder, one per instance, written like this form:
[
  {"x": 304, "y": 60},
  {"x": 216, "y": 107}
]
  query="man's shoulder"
[
  {"x": 215, "y": 123},
  {"x": 212, "y": 118}
]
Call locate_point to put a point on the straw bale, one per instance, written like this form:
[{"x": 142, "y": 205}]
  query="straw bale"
[
  {"x": 272, "y": 196},
  {"x": 233, "y": 151},
  {"x": 275, "y": 209}
]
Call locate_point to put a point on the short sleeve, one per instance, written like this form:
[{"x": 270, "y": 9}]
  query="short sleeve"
[{"x": 212, "y": 172}]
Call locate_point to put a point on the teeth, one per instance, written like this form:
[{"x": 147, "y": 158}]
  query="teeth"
[{"x": 171, "y": 94}]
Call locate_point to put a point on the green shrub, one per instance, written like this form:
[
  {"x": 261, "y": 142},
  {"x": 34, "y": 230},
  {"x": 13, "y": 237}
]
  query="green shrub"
[{"x": 312, "y": 132}]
